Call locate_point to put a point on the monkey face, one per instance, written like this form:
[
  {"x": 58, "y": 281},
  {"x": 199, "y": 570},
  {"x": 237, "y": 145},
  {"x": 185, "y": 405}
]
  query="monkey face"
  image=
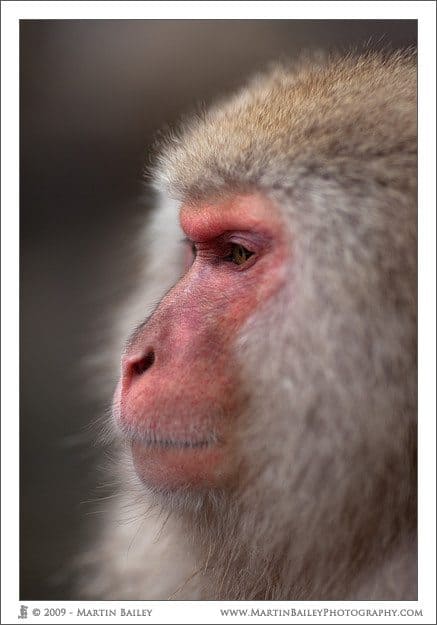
[{"x": 180, "y": 393}]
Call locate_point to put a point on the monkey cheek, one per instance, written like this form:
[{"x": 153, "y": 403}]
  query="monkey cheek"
[{"x": 167, "y": 467}]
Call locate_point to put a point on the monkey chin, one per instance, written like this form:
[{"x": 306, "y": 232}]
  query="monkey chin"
[{"x": 174, "y": 465}]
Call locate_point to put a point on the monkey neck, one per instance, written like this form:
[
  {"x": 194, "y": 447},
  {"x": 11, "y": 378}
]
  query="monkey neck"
[
  {"x": 250, "y": 576},
  {"x": 238, "y": 561}
]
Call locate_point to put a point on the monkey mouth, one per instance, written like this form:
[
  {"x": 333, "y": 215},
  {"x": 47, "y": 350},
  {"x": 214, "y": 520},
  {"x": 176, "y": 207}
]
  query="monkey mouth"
[
  {"x": 176, "y": 444},
  {"x": 150, "y": 438},
  {"x": 172, "y": 463}
]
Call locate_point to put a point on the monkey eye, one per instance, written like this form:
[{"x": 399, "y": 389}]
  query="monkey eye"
[
  {"x": 235, "y": 252},
  {"x": 239, "y": 254}
]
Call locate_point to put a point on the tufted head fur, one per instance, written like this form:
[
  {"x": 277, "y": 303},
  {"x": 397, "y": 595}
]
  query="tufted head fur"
[{"x": 340, "y": 118}]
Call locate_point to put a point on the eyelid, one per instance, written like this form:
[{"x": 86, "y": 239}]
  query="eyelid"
[
  {"x": 218, "y": 247},
  {"x": 243, "y": 243}
]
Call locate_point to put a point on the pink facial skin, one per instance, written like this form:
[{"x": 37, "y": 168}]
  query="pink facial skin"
[{"x": 179, "y": 393}]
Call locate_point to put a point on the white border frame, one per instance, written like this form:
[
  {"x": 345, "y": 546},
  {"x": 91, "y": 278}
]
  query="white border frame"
[{"x": 195, "y": 612}]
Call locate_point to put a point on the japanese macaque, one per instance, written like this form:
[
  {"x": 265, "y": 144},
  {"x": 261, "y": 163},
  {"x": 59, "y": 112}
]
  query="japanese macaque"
[{"x": 265, "y": 414}]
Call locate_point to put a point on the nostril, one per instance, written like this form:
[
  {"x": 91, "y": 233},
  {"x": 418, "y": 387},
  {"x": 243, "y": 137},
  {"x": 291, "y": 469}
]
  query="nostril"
[{"x": 140, "y": 366}]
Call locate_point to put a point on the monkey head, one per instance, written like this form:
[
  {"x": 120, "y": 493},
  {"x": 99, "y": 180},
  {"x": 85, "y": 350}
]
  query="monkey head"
[{"x": 278, "y": 369}]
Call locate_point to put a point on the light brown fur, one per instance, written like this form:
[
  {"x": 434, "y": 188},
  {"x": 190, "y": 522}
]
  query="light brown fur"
[{"x": 324, "y": 506}]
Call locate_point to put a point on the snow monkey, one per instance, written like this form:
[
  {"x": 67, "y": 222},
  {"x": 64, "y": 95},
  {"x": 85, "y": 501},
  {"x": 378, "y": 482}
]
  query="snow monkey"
[{"x": 264, "y": 420}]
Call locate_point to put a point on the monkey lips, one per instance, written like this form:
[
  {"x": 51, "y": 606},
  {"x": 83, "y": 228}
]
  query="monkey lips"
[{"x": 174, "y": 464}]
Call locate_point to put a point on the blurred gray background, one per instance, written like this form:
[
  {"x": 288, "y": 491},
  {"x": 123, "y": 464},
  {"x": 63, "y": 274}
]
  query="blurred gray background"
[{"x": 93, "y": 96}]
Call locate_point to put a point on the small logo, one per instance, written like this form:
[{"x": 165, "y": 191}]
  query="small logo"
[
  {"x": 36, "y": 611},
  {"x": 23, "y": 611}
]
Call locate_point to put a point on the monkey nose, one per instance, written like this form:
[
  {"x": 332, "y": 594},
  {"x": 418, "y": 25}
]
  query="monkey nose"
[{"x": 134, "y": 366}]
